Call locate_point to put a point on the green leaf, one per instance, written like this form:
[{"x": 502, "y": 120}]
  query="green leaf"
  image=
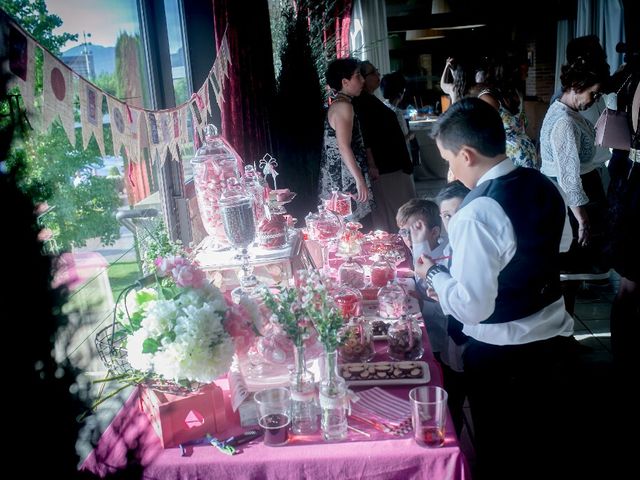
[{"x": 150, "y": 345}]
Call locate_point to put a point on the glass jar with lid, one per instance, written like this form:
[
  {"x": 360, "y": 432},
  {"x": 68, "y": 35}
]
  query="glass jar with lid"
[
  {"x": 351, "y": 240},
  {"x": 382, "y": 271},
  {"x": 391, "y": 301},
  {"x": 405, "y": 339},
  {"x": 348, "y": 300},
  {"x": 357, "y": 341},
  {"x": 272, "y": 229},
  {"x": 351, "y": 274},
  {"x": 213, "y": 164}
]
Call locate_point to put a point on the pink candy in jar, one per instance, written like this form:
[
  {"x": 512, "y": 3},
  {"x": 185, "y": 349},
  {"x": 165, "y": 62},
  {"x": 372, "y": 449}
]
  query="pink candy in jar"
[
  {"x": 382, "y": 272},
  {"x": 272, "y": 233},
  {"x": 349, "y": 301},
  {"x": 339, "y": 203},
  {"x": 351, "y": 274},
  {"x": 327, "y": 226},
  {"x": 391, "y": 301}
]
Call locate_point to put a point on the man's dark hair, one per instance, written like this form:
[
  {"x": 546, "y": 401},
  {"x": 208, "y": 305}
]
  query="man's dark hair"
[
  {"x": 455, "y": 189},
  {"x": 473, "y": 123},
  {"x": 339, "y": 69},
  {"x": 393, "y": 85}
]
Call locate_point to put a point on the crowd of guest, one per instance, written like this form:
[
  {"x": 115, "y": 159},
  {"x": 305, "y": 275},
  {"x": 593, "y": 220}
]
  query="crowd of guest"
[{"x": 499, "y": 317}]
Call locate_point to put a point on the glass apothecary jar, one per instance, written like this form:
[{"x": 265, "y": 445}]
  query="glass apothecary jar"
[
  {"x": 357, "y": 341},
  {"x": 382, "y": 271},
  {"x": 348, "y": 300},
  {"x": 405, "y": 339},
  {"x": 351, "y": 274},
  {"x": 391, "y": 301}
]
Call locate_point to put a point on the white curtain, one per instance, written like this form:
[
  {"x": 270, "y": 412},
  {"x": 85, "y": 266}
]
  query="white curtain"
[
  {"x": 604, "y": 18},
  {"x": 565, "y": 33},
  {"x": 369, "y": 36}
]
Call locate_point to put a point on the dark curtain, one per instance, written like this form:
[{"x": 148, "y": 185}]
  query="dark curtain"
[
  {"x": 298, "y": 120},
  {"x": 249, "y": 90}
]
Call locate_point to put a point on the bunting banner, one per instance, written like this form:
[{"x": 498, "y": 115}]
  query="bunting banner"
[
  {"x": 21, "y": 66},
  {"x": 57, "y": 89},
  {"x": 118, "y": 127},
  {"x": 131, "y": 127},
  {"x": 91, "y": 114}
]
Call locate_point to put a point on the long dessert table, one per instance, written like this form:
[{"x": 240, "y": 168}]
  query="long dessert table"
[{"x": 130, "y": 439}]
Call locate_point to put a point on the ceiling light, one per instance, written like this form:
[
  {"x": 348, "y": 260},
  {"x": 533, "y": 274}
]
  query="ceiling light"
[
  {"x": 427, "y": 34},
  {"x": 440, "y": 6},
  {"x": 462, "y": 27}
]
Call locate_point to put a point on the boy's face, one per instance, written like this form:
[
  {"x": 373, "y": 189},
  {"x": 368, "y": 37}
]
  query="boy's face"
[
  {"x": 415, "y": 229},
  {"x": 447, "y": 209}
]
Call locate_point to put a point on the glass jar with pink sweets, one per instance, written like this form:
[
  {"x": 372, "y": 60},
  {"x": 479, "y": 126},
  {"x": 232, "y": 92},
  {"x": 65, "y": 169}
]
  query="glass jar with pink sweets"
[
  {"x": 339, "y": 203},
  {"x": 348, "y": 300},
  {"x": 382, "y": 271}
]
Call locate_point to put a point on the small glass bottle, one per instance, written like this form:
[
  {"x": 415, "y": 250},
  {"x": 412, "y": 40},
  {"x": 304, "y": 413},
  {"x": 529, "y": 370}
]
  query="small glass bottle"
[
  {"x": 405, "y": 339},
  {"x": 357, "y": 341},
  {"x": 351, "y": 274},
  {"x": 304, "y": 412},
  {"x": 391, "y": 301},
  {"x": 333, "y": 400}
]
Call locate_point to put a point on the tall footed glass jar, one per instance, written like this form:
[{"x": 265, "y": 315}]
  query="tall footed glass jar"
[
  {"x": 333, "y": 400},
  {"x": 304, "y": 411}
]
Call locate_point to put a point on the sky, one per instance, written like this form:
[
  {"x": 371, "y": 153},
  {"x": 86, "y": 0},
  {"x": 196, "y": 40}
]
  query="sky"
[{"x": 103, "y": 19}]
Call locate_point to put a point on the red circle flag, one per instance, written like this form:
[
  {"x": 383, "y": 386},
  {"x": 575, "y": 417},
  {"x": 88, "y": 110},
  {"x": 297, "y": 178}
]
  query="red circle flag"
[{"x": 58, "y": 84}]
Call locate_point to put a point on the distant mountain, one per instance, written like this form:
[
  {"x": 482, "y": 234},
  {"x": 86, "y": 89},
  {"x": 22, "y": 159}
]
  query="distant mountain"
[{"x": 104, "y": 58}]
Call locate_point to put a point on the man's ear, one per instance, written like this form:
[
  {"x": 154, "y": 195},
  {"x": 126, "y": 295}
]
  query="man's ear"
[{"x": 469, "y": 155}]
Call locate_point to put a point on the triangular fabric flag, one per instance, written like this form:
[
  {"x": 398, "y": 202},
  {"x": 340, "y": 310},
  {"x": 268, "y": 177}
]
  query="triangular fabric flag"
[
  {"x": 178, "y": 130},
  {"x": 157, "y": 146},
  {"x": 57, "y": 87},
  {"x": 134, "y": 124},
  {"x": 117, "y": 119},
  {"x": 198, "y": 112},
  {"x": 217, "y": 89},
  {"x": 225, "y": 54},
  {"x": 204, "y": 95},
  {"x": 91, "y": 114},
  {"x": 21, "y": 65}
]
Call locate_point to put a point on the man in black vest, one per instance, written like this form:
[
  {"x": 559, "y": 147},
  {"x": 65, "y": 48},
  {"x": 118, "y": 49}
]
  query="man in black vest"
[{"x": 504, "y": 288}]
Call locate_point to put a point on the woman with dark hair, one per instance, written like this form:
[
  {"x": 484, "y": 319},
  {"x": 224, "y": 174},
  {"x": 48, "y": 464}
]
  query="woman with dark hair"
[
  {"x": 567, "y": 151},
  {"x": 343, "y": 166}
]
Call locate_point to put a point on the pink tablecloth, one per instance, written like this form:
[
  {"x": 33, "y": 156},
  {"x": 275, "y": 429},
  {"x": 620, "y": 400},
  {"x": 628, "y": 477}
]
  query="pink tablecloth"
[{"x": 380, "y": 457}]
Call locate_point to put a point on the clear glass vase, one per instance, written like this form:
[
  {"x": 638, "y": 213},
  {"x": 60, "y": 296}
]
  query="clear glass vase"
[
  {"x": 333, "y": 400},
  {"x": 304, "y": 411}
]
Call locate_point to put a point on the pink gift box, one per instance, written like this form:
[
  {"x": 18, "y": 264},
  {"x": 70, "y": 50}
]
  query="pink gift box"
[{"x": 179, "y": 418}]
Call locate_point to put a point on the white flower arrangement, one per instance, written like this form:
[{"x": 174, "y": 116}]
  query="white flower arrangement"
[{"x": 179, "y": 331}]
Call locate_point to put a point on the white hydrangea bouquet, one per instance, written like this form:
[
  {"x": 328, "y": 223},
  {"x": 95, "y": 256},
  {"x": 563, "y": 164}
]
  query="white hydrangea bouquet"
[{"x": 184, "y": 330}]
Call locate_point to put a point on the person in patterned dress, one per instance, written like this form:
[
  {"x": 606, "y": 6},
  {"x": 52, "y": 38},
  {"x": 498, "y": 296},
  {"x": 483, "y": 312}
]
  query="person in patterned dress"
[{"x": 343, "y": 165}]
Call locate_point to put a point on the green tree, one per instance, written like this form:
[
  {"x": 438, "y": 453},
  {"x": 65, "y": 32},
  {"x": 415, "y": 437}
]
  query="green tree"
[{"x": 79, "y": 212}]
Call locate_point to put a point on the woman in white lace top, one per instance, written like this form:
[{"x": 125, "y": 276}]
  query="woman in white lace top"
[{"x": 567, "y": 151}]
